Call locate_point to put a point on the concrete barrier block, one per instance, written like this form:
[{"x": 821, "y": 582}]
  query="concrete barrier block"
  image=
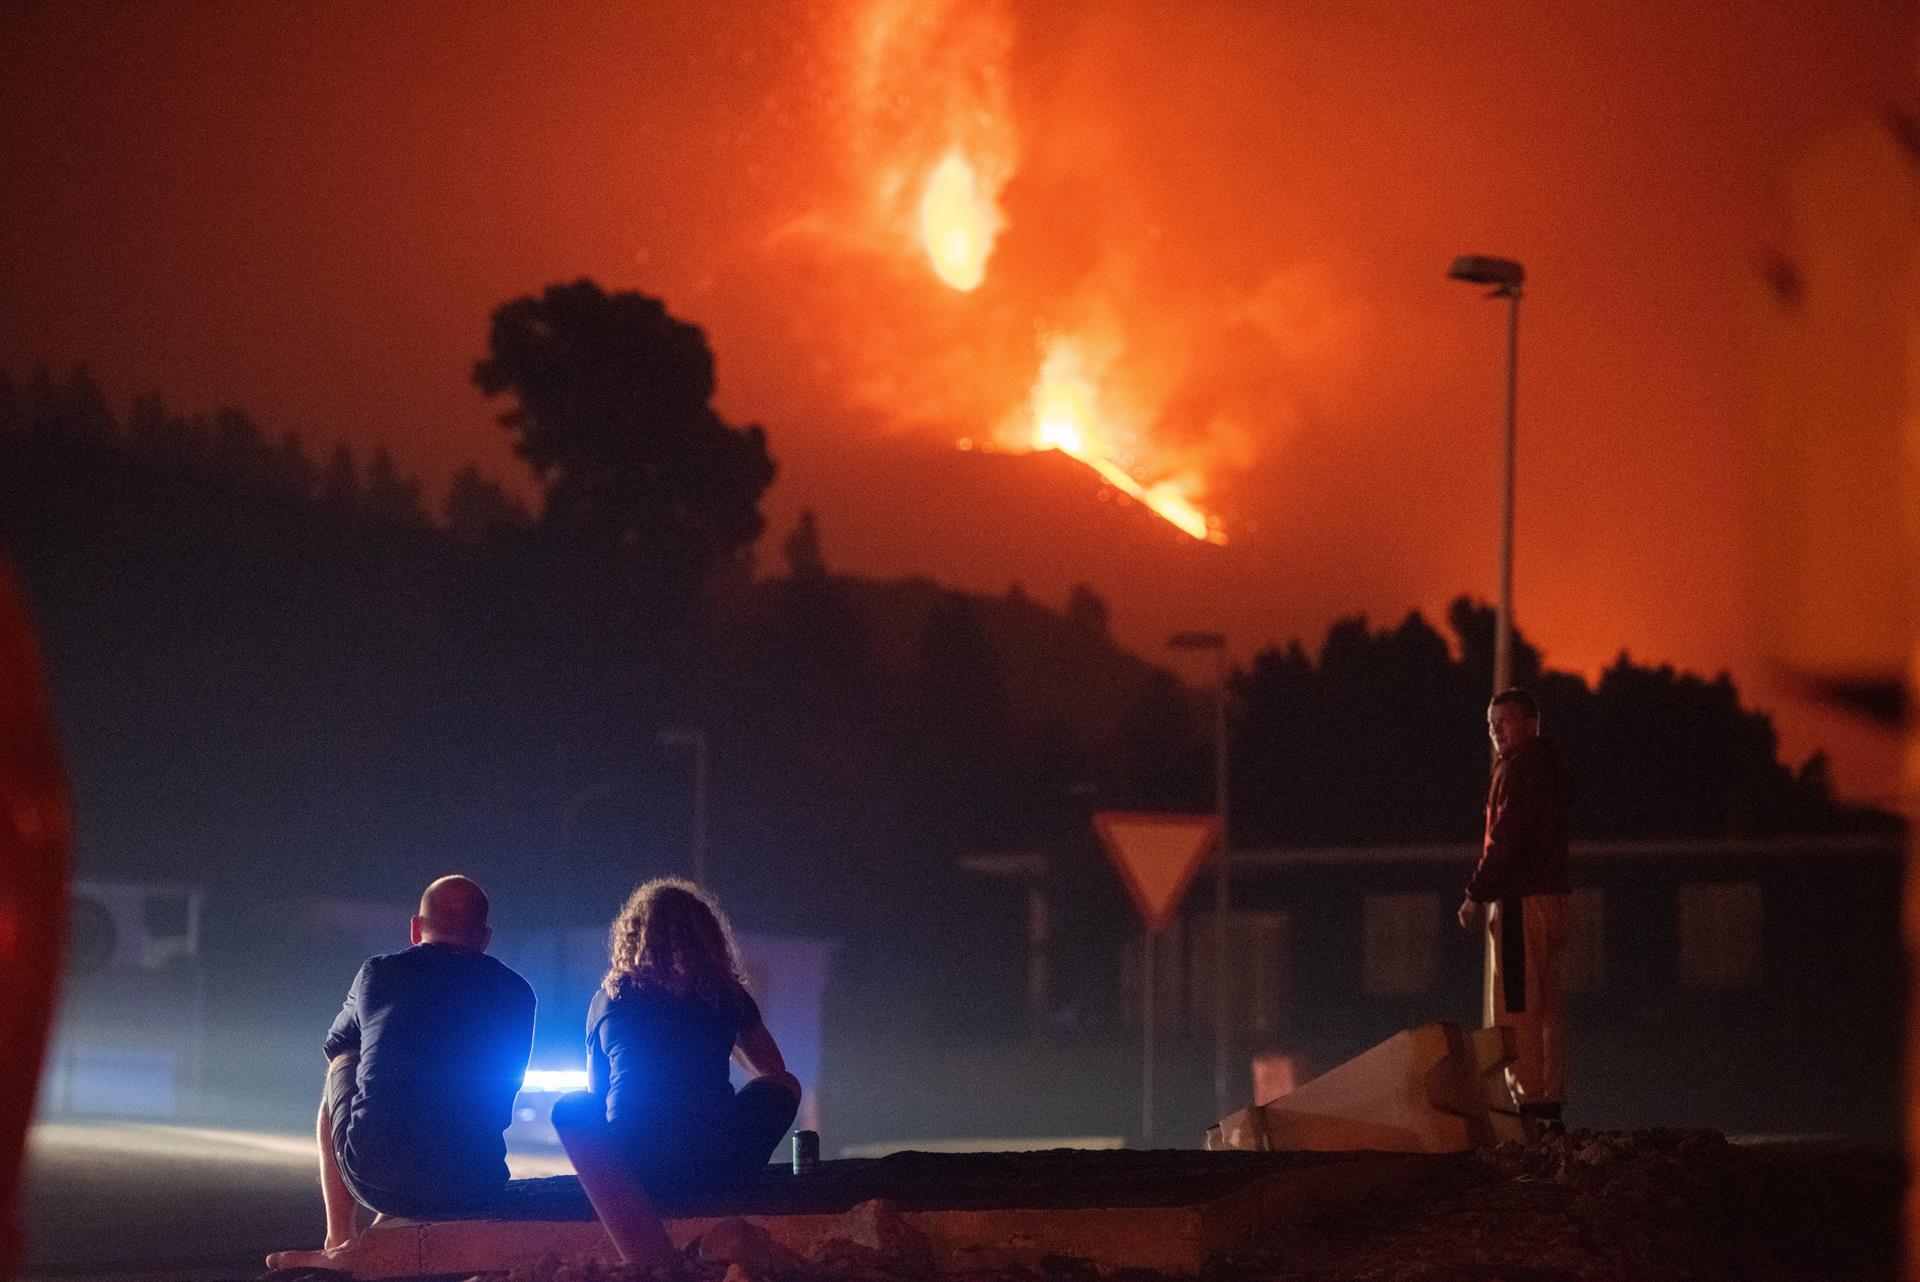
[{"x": 1438, "y": 1088}]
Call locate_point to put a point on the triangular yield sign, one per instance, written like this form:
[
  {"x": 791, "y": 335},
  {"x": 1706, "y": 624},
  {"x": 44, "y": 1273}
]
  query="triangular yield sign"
[{"x": 1157, "y": 855}]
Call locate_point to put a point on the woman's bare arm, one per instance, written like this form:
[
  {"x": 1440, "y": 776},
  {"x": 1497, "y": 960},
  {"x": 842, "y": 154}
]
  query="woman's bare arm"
[{"x": 756, "y": 1051}]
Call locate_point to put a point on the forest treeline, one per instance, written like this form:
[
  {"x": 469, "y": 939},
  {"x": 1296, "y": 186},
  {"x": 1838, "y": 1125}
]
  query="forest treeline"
[{"x": 285, "y": 673}]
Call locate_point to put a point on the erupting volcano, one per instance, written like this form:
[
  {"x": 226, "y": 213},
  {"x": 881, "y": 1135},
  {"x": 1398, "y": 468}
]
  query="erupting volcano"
[
  {"x": 932, "y": 144},
  {"x": 1066, "y": 416},
  {"x": 959, "y": 220}
]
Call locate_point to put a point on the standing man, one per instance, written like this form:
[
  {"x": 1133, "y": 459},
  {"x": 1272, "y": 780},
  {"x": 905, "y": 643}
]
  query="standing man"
[
  {"x": 1519, "y": 888},
  {"x": 424, "y": 1061}
]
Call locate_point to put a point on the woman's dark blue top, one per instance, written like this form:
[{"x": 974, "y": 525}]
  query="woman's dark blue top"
[{"x": 660, "y": 1062}]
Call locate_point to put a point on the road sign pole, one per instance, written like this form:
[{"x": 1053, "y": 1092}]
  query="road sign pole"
[
  {"x": 1156, "y": 855},
  {"x": 1146, "y": 1039}
]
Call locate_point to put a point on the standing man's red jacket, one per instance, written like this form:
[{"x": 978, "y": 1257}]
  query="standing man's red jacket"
[{"x": 1525, "y": 851}]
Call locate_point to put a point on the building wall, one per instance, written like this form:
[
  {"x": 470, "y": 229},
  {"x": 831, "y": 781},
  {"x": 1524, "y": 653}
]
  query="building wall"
[{"x": 1752, "y": 989}]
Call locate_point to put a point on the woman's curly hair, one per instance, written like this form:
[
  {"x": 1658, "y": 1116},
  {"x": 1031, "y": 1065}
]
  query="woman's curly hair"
[{"x": 671, "y": 936}]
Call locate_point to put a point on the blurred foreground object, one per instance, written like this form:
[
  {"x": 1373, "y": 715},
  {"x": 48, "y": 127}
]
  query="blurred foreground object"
[
  {"x": 35, "y": 835},
  {"x": 1830, "y": 452},
  {"x": 1828, "y": 490},
  {"x": 1438, "y": 1088}
]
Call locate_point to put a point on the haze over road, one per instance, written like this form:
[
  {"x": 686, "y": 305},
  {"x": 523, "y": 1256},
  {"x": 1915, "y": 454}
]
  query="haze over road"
[{"x": 117, "y": 1198}]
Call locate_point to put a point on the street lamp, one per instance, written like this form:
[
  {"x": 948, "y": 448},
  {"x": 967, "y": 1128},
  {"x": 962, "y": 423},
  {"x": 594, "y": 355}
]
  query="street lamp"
[
  {"x": 696, "y": 739},
  {"x": 1217, "y": 642},
  {"x": 1505, "y": 276}
]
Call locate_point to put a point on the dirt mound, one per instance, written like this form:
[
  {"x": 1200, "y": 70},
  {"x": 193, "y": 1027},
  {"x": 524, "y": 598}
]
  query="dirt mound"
[{"x": 1643, "y": 1206}]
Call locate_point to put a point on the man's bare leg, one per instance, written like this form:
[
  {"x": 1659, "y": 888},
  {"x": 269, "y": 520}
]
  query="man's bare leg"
[{"x": 342, "y": 1231}]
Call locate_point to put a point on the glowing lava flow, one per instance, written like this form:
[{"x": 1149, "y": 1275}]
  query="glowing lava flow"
[
  {"x": 1066, "y": 418},
  {"x": 958, "y": 223}
]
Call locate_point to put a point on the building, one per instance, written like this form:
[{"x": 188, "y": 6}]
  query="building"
[{"x": 1748, "y": 986}]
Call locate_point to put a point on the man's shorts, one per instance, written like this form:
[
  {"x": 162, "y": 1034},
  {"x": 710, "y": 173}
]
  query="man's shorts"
[{"x": 381, "y": 1177}]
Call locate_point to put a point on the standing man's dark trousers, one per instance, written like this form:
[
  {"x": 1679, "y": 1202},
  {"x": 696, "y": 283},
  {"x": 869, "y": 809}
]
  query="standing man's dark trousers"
[{"x": 1526, "y": 990}]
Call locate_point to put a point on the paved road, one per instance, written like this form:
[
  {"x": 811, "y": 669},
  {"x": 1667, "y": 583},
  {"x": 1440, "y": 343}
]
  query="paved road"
[{"x": 128, "y": 1199}]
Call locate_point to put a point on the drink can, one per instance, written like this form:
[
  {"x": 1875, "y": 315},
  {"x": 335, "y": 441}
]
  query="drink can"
[{"x": 806, "y": 1152}]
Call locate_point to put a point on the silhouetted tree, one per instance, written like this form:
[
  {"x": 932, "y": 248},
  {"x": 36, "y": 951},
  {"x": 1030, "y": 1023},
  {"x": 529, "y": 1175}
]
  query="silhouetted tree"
[
  {"x": 1383, "y": 739},
  {"x": 75, "y": 410},
  {"x": 340, "y": 484},
  {"x": 1473, "y": 624},
  {"x": 1674, "y": 754},
  {"x": 813, "y": 668},
  {"x": 157, "y": 437},
  {"x": 390, "y": 498},
  {"x": 1164, "y": 761},
  {"x": 611, "y": 407},
  {"x": 289, "y": 470},
  {"x": 961, "y": 721},
  {"x": 1087, "y": 610},
  {"x": 806, "y": 559},
  {"x": 238, "y": 450},
  {"x": 1275, "y": 761},
  {"x": 478, "y": 508}
]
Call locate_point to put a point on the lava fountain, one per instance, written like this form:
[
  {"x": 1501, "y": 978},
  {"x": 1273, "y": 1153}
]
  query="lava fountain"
[{"x": 958, "y": 223}]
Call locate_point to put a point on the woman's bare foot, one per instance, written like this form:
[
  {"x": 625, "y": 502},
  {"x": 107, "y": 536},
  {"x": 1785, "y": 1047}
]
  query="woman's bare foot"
[{"x": 334, "y": 1255}]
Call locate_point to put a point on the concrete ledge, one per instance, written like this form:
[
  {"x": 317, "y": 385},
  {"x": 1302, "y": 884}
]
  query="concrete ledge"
[{"x": 1179, "y": 1238}]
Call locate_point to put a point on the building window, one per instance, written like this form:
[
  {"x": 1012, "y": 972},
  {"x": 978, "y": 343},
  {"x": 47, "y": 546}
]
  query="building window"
[
  {"x": 1400, "y": 943},
  {"x": 1259, "y": 978},
  {"x": 1259, "y": 975},
  {"x": 1720, "y": 935},
  {"x": 1586, "y": 940}
]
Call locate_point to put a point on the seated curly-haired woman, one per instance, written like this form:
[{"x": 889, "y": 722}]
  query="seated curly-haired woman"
[{"x": 660, "y": 1113}]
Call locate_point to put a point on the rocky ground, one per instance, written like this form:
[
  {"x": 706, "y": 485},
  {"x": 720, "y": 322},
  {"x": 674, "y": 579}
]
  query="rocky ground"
[
  {"x": 1642, "y": 1206},
  {"x": 1647, "y": 1206}
]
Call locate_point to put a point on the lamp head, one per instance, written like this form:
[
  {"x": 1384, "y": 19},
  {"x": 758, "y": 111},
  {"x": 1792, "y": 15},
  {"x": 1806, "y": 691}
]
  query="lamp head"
[{"x": 1479, "y": 269}]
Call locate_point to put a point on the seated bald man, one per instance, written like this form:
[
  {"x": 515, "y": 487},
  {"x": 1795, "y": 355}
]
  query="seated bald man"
[{"x": 424, "y": 1061}]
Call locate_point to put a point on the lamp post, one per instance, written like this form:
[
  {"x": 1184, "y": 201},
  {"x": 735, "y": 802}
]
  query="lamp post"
[
  {"x": 1506, "y": 277},
  {"x": 696, "y": 739},
  {"x": 1222, "y": 1010}
]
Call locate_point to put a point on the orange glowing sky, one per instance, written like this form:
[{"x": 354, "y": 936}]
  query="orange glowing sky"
[{"x": 1240, "y": 213}]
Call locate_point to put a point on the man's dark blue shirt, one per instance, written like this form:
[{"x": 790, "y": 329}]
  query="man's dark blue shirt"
[{"x": 442, "y": 1035}]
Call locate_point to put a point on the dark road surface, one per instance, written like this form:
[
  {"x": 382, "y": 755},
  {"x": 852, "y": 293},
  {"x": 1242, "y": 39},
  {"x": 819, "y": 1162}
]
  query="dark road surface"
[{"x": 139, "y": 1200}]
